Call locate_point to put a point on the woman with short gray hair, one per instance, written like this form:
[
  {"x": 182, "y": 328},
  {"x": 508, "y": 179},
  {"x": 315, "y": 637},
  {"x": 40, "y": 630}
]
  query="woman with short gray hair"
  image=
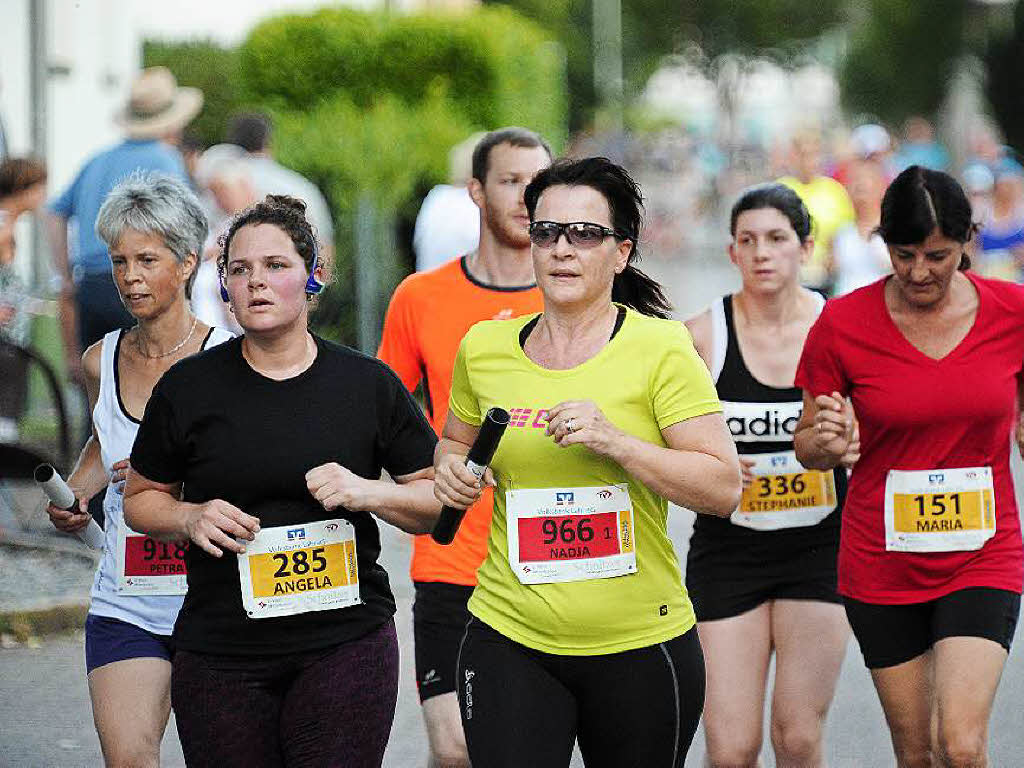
[{"x": 154, "y": 228}]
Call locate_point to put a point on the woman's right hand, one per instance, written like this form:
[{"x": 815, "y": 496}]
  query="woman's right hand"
[
  {"x": 213, "y": 523},
  {"x": 455, "y": 485},
  {"x": 70, "y": 520},
  {"x": 834, "y": 426}
]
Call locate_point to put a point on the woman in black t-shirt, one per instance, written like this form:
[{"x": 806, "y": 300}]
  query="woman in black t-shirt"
[{"x": 270, "y": 448}]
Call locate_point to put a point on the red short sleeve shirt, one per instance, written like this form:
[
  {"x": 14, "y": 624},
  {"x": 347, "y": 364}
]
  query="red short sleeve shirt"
[{"x": 919, "y": 413}]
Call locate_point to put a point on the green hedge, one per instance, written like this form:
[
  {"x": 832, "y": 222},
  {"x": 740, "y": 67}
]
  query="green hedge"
[
  {"x": 497, "y": 68},
  {"x": 368, "y": 105},
  {"x": 209, "y": 67}
]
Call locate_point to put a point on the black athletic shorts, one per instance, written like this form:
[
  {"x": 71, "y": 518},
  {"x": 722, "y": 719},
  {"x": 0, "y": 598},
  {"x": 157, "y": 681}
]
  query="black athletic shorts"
[
  {"x": 439, "y": 617},
  {"x": 894, "y": 634},
  {"x": 726, "y": 578}
]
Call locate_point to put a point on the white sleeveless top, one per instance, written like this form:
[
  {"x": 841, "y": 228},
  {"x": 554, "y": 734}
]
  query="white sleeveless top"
[{"x": 116, "y": 430}]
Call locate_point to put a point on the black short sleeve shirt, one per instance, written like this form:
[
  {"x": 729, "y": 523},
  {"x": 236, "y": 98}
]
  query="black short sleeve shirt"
[{"x": 226, "y": 432}]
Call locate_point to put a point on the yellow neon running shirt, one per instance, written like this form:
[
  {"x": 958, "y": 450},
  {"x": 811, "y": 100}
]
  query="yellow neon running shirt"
[{"x": 646, "y": 378}]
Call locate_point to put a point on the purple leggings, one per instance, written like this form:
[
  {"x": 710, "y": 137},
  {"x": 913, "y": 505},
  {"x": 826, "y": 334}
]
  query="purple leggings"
[{"x": 330, "y": 707}]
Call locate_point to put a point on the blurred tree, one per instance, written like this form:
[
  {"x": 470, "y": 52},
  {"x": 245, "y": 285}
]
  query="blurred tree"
[
  {"x": 652, "y": 29},
  {"x": 209, "y": 67},
  {"x": 367, "y": 105},
  {"x": 901, "y": 57},
  {"x": 1004, "y": 60}
]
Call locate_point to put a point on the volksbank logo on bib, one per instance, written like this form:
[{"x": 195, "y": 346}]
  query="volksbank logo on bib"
[
  {"x": 762, "y": 422},
  {"x": 296, "y": 534},
  {"x": 562, "y": 498}
]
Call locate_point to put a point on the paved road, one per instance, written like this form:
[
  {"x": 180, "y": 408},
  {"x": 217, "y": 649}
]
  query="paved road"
[{"x": 45, "y": 718}]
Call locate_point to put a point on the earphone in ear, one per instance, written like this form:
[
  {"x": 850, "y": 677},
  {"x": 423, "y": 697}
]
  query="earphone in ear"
[{"x": 314, "y": 286}]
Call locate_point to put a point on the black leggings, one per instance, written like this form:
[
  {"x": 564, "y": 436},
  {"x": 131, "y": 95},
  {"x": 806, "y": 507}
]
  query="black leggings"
[
  {"x": 331, "y": 707},
  {"x": 522, "y": 708}
]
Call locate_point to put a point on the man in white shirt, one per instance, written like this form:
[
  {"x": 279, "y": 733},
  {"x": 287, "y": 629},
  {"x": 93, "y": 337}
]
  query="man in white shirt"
[{"x": 252, "y": 132}]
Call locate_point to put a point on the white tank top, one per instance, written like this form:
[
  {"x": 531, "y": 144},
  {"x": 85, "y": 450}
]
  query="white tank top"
[{"x": 116, "y": 430}]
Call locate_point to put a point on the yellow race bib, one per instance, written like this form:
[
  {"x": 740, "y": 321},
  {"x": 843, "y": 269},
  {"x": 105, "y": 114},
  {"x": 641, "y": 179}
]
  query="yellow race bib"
[
  {"x": 784, "y": 494},
  {"x": 939, "y": 510},
  {"x": 300, "y": 568}
]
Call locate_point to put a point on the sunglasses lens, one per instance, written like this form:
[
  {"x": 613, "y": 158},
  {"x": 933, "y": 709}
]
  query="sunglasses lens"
[
  {"x": 585, "y": 235},
  {"x": 543, "y": 233}
]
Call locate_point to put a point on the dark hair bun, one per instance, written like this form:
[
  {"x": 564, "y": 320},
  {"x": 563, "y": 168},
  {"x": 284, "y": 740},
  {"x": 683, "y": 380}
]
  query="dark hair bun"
[{"x": 287, "y": 201}]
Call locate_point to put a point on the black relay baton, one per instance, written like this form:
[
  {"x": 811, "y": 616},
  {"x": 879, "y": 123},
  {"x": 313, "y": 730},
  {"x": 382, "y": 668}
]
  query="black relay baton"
[{"x": 480, "y": 455}]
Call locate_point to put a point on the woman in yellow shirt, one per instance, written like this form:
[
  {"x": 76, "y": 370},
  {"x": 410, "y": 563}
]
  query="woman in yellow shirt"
[{"x": 581, "y": 627}]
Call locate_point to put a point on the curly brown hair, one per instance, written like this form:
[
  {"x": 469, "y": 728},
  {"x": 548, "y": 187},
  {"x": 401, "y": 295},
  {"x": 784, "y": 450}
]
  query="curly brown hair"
[
  {"x": 287, "y": 214},
  {"x": 20, "y": 173}
]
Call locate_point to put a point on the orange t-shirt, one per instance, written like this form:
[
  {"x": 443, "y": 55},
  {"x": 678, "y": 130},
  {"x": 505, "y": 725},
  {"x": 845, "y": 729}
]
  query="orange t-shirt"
[{"x": 429, "y": 314}]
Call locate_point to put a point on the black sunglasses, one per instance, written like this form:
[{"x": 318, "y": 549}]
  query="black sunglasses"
[{"x": 544, "y": 234}]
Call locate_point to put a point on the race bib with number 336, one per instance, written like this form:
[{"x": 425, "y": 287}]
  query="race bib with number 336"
[
  {"x": 784, "y": 494},
  {"x": 294, "y": 569}
]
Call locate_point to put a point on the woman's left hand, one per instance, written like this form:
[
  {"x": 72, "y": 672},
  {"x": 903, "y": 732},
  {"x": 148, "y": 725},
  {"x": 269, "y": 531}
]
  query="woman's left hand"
[
  {"x": 334, "y": 486},
  {"x": 119, "y": 474},
  {"x": 581, "y": 422}
]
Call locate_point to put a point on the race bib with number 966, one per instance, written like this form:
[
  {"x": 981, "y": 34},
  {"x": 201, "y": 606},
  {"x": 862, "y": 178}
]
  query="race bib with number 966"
[{"x": 570, "y": 534}]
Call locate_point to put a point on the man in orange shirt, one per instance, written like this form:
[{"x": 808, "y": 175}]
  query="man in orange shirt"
[{"x": 429, "y": 314}]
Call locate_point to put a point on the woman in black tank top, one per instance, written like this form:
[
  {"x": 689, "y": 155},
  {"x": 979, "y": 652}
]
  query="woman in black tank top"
[{"x": 764, "y": 580}]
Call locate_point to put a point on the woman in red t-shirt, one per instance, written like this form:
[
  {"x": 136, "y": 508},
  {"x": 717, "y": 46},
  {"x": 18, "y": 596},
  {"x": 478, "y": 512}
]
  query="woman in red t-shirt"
[{"x": 930, "y": 560}]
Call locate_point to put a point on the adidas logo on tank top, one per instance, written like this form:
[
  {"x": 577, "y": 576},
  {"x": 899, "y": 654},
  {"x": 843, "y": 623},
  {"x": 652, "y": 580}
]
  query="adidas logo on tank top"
[{"x": 762, "y": 422}]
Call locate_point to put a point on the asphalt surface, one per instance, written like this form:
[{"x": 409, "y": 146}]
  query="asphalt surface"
[{"x": 45, "y": 719}]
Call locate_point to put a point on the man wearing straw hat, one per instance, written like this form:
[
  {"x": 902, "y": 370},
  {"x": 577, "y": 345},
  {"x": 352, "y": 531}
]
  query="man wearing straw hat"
[{"x": 153, "y": 119}]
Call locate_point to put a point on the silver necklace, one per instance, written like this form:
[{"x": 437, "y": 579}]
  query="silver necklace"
[{"x": 179, "y": 345}]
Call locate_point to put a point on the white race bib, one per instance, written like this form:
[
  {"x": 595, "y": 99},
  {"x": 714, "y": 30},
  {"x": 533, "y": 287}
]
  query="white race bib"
[
  {"x": 784, "y": 494},
  {"x": 300, "y": 568},
  {"x": 939, "y": 510},
  {"x": 570, "y": 534},
  {"x": 146, "y": 566}
]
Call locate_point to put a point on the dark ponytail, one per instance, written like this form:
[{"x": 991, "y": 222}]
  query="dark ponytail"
[
  {"x": 631, "y": 287},
  {"x": 639, "y": 291}
]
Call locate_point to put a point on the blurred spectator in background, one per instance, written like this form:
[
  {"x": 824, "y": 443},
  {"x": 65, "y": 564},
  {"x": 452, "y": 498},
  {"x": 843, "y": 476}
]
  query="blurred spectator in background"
[
  {"x": 827, "y": 201},
  {"x": 22, "y": 189},
  {"x": 919, "y": 147},
  {"x": 448, "y": 223},
  {"x": 978, "y": 183},
  {"x": 223, "y": 176},
  {"x": 153, "y": 120},
  {"x": 985, "y": 145},
  {"x": 191, "y": 149},
  {"x": 1001, "y": 244},
  {"x": 860, "y": 253},
  {"x": 253, "y": 132},
  {"x": 868, "y": 142}
]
